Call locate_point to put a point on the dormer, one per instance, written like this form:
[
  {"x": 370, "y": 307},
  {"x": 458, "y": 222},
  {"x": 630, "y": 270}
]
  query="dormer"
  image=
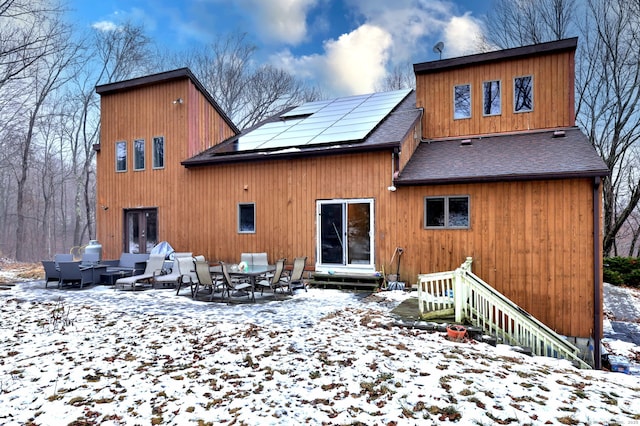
[{"x": 512, "y": 90}]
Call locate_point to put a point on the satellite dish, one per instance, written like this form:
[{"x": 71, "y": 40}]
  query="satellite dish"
[{"x": 438, "y": 48}]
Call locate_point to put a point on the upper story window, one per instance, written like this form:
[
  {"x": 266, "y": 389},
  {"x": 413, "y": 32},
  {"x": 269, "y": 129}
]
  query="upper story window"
[
  {"x": 246, "y": 218},
  {"x": 491, "y": 100},
  {"x": 523, "y": 94},
  {"x": 121, "y": 156},
  {"x": 158, "y": 152},
  {"x": 462, "y": 101},
  {"x": 446, "y": 212},
  {"x": 138, "y": 154}
]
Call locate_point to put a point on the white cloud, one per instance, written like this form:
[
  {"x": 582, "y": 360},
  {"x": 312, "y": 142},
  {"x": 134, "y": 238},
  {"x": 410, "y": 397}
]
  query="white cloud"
[
  {"x": 105, "y": 26},
  {"x": 282, "y": 21},
  {"x": 352, "y": 64},
  {"x": 461, "y": 35}
]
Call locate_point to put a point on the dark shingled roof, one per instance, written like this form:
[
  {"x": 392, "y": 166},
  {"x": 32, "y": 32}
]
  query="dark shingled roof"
[
  {"x": 521, "y": 156},
  {"x": 387, "y": 135}
]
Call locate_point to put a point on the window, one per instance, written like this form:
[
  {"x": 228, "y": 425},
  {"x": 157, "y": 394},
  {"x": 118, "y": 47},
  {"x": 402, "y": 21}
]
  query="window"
[
  {"x": 491, "y": 102},
  {"x": 523, "y": 94},
  {"x": 247, "y": 218},
  {"x": 138, "y": 154},
  {"x": 446, "y": 212},
  {"x": 158, "y": 152},
  {"x": 462, "y": 101},
  {"x": 121, "y": 156}
]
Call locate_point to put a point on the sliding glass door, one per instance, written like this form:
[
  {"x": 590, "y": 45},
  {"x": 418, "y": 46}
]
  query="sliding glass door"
[{"x": 345, "y": 235}]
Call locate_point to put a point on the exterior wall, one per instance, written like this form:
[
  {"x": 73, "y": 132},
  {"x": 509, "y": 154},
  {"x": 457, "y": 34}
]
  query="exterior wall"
[
  {"x": 145, "y": 113},
  {"x": 553, "y": 96}
]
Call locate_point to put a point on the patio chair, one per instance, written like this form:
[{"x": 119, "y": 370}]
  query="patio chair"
[
  {"x": 187, "y": 272},
  {"x": 173, "y": 277},
  {"x": 295, "y": 278},
  {"x": 72, "y": 272},
  {"x": 50, "y": 272},
  {"x": 232, "y": 285},
  {"x": 154, "y": 266},
  {"x": 276, "y": 280},
  {"x": 62, "y": 257},
  {"x": 206, "y": 280}
]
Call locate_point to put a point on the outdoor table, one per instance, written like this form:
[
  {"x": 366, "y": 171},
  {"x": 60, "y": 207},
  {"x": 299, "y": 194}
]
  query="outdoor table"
[
  {"x": 110, "y": 277},
  {"x": 251, "y": 272}
]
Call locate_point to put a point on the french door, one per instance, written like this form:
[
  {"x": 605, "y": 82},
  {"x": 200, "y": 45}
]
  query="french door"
[
  {"x": 345, "y": 235},
  {"x": 140, "y": 230}
]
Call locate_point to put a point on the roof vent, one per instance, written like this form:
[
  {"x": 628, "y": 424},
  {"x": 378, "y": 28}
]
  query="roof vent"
[
  {"x": 465, "y": 142},
  {"x": 558, "y": 134}
]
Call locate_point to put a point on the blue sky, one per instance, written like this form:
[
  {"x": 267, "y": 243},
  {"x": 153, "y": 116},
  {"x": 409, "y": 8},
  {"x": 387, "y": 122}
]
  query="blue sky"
[{"x": 345, "y": 47}]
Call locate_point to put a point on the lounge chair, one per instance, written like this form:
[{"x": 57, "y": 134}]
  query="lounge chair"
[
  {"x": 50, "y": 272},
  {"x": 72, "y": 272},
  {"x": 173, "y": 277},
  {"x": 277, "y": 280},
  {"x": 153, "y": 268},
  {"x": 206, "y": 280}
]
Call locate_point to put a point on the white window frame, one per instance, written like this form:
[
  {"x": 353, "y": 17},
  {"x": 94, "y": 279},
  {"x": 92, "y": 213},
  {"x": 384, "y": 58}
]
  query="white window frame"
[
  {"x": 124, "y": 159},
  {"x": 246, "y": 231},
  {"x": 156, "y": 140},
  {"x": 446, "y": 224},
  {"x": 515, "y": 94},
  {"x": 456, "y": 115},
  {"x": 484, "y": 99},
  {"x": 136, "y": 164}
]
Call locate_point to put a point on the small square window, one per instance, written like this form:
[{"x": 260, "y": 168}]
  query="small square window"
[
  {"x": 491, "y": 101},
  {"x": 247, "y": 218},
  {"x": 158, "y": 152},
  {"x": 523, "y": 94},
  {"x": 462, "y": 101},
  {"x": 446, "y": 212},
  {"x": 121, "y": 156},
  {"x": 138, "y": 154}
]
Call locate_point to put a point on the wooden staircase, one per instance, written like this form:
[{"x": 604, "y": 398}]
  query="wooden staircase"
[{"x": 469, "y": 299}]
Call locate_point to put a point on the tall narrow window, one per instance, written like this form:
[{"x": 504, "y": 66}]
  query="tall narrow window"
[
  {"x": 158, "y": 152},
  {"x": 446, "y": 212},
  {"x": 138, "y": 154},
  {"x": 523, "y": 94},
  {"x": 121, "y": 156},
  {"x": 491, "y": 102},
  {"x": 247, "y": 218},
  {"x": 462, "y": 101}
]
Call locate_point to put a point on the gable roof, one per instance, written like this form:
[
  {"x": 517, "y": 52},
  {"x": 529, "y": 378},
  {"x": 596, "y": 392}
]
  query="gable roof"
[
  {"x": 385, "y": 132},
  {"x": 569, "y": 44},
  {"x": 505, "y": 157},
  {"x": 153, "y": 79}
]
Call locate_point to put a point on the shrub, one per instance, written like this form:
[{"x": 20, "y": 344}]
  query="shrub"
[
  {"x": 633, "y": 278},
  {"x": 622, "y": 270},
  {"x": 612, "y": 277}
]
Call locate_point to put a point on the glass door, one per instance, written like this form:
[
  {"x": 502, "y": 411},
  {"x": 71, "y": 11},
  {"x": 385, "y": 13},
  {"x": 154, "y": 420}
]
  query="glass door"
[
  {"x": 345, "y": 235},
  {"x": 141, "y": 230}
]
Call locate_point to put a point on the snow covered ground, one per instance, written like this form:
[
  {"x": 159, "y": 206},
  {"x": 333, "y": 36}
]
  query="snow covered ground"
[{"x": 322, "y": 357}]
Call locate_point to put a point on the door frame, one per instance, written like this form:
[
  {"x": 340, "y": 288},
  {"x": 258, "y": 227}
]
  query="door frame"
[
  {"x": 142, "y": 225},
  {"x": 346, "y": 268}
]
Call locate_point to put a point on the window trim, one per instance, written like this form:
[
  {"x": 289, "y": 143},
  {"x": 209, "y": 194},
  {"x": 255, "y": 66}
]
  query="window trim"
[
  {"x": 455, "y": 87},
  {"x": 484, "y": 114},
  {"x": 153, "y": 153},
  {"x": 446, "y": 199},
  {"x": 515, "y": 96},
  {"x": 119, "y": 144},
  {"x": 240, "y": 206},
  {"x": 136, "y": 143}
]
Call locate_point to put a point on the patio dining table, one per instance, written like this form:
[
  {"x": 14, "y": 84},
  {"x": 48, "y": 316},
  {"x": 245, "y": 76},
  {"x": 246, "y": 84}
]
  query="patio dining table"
[{"x": 252, "y": 272}]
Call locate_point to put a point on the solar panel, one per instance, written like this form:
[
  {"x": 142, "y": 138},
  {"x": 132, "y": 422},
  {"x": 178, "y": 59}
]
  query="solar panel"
[{"x": 350, "y": 118}]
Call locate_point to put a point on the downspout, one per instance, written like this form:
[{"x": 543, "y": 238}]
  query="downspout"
[{"x": 597, "y": 298}]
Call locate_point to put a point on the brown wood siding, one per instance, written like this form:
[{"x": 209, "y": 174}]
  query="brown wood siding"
[
  {"x": 409, "y": 146},
  {"x": 553, "y": 97}
]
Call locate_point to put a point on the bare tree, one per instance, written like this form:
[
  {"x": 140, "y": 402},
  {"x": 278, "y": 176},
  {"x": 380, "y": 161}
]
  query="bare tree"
[
  {"x": 400, "y": 77},
  {"x": 246, "y": 92}
]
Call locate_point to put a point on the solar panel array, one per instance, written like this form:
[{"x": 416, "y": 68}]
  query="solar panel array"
[{"x": 324, "y": 122}]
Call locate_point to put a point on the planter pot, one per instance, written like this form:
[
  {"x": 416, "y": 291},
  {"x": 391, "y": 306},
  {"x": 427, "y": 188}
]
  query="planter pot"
[{"x": 456, "y": 333}]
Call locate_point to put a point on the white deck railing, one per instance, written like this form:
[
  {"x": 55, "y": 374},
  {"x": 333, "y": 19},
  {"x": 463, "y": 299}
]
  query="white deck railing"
[{"x": 465, "y": 295}]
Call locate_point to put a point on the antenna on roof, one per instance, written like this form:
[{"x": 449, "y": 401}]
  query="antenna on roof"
[{"x": 438, "y": 48}]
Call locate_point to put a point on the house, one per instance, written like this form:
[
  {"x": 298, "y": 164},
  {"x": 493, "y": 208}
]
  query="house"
[{"x": 483, "y": 159}]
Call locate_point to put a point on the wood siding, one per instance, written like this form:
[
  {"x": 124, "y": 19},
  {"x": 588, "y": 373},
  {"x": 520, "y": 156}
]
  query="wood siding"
[{"x": 553, "y": 97}]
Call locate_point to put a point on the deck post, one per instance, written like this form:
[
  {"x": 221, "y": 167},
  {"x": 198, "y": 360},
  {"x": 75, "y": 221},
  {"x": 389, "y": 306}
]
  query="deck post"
[{"x": 457, "y": 294}]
